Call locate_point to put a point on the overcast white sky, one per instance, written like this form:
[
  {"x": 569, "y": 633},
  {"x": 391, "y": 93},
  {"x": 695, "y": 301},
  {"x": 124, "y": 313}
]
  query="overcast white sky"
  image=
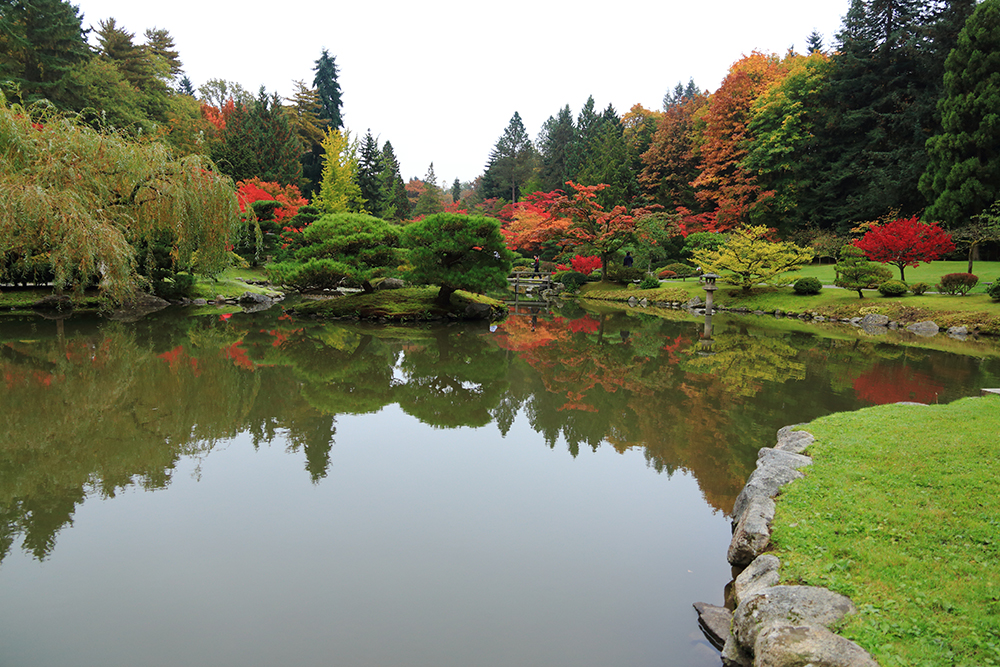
[{"x": 441, "y": 79}]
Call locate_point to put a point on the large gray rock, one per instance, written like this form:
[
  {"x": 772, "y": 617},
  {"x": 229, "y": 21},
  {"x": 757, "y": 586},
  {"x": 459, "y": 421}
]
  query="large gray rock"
[
  {"x": 793, "y": 441},
  {"x": 390, "y": 283},
  {"x": 752, "y": 533},
  {"x": 478, "y": 311},
  {"x": 775, "y": 456},
  {"x": 873, "y": 320},
  {"x": 788, "y": 605},
  {"x": 925, "y": 328},
  {"x": 765, "y": 482},
  {"x": 760, "y": 574},
  {"x": 714, "y": 622},
  {"x": 780, "y": 645},
  {"x": 694, "y": 302},
  {"x": 734, "y": 655}
]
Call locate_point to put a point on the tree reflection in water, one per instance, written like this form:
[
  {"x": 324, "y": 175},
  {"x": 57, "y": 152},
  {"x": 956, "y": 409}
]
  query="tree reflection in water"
[{"x": 96, "y": 407}]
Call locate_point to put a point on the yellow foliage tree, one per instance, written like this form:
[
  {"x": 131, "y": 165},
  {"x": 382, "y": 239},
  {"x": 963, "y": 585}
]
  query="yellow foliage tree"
[
  {"x": 339, "y": 191},
  {"x": 749, "y": 258}
]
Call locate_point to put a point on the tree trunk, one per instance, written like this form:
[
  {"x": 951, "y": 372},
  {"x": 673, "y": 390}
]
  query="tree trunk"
[{"x": 444, "y": 296}]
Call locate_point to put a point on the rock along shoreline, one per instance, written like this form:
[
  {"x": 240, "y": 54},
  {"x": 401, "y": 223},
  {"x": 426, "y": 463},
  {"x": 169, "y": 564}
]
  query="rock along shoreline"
[{"x": 765, "y": 624}]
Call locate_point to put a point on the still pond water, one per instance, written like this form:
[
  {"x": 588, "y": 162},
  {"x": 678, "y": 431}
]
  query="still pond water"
[{"x": 253, "y": 489}]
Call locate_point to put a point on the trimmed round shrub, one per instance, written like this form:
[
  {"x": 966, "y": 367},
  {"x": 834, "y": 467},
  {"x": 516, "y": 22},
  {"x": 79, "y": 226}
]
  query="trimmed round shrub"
[
  {"x": 808, "y": 285},
  {"x": 625, "y": 274},
  {"x": 571, "y": 280},
  {"x": 919, "y": 288},
  {"x": 958, "y": 283},
  {"x": 649, "y": 282},
  {"x": 679, "y": 270},
  {"x": 892, "y": 288},
  {"x": 994, "y": 290}
]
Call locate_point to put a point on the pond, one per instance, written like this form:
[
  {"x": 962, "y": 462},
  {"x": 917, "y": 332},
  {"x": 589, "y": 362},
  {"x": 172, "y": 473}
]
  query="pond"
[{"x": 253, "y": 489}]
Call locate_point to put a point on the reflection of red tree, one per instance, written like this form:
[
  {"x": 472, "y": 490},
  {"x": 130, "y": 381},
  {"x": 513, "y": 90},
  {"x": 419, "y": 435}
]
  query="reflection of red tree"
[
  {"x": 178, "y": 358},
  {"x": 520, "y": 334},
  {"x": 892, "y": 384},
  {"x": 672, "y": 348},
  {"x": 585, "y": 324},
  {"x": 238, "y": 355}
]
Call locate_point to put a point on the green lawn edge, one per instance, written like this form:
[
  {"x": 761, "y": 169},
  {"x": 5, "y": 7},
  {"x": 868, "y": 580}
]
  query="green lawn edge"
[
  {"x": 900, "y": 511},
  {"x": 406, "y": 304}
]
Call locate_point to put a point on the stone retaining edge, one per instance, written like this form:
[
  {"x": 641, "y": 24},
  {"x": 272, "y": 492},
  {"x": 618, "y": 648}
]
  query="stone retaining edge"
[{"x": 774, "y": 624}]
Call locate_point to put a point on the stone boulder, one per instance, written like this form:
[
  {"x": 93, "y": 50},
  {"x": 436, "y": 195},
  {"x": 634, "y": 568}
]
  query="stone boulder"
[
  {"x": 714, "y": 622},
  {"x": 873, "y": 320},
  {"x": 752, "y": 533},
  {"x": 765, "y": 481},
  {"x": 788, "y": 605},
  {"x": 390, "y": 283},
  {"x": 760, "y": 574},
  {"x": 793, "y": 441},
  {"x": 138, "y": 307},
  {"x": 53, "y": 302},
  {"x": 925, "y": 328},
  {"x": 478, "y": 311},
  {"x": 781, "y": 645}
]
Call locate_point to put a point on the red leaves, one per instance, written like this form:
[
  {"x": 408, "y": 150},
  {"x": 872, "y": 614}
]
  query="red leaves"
[
  {"x": 254, "y": 189},
  {"x": 905, "y": 242}
]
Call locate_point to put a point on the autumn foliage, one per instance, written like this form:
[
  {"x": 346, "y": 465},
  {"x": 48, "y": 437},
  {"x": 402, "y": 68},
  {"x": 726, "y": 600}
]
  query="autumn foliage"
[
  {"x": 905, "y": 242},
  {"x": 254, "y": 189}
]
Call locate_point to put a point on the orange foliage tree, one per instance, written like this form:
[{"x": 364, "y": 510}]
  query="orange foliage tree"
[{"x": 725, "y": 139}]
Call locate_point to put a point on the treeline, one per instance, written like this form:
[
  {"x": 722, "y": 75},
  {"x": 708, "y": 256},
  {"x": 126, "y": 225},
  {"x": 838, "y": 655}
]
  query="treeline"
[
  {"x": 897, "y": 119},
  {"x": 892, "y": 120}
]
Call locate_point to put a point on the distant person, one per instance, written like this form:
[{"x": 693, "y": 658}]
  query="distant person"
[
  {"x": 537, "y": 267},
  {"x": 628, "y": 260}
]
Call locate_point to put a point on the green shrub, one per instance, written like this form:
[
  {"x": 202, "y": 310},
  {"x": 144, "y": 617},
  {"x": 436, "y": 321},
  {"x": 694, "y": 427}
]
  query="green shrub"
[
  {"x": 994, "y": 290},
  {"x": 571, "y": 280},
  {"x": 175, "y": 287},
  {"x": 892, "y": 288},
  {"x": 523, "y": 261},
  {"x": 808, "y": 285},
  {"x": 919, "y": 288},
  {"x": 625, "y": 274},
  {"x": 679, "y": 270},
  {"x": 649, "y": 282},
  {"x": 958, "y": 283}
]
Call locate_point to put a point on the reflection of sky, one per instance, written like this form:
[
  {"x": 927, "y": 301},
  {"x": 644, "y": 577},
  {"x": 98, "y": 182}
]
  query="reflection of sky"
[{"x": 422, "y": 546}]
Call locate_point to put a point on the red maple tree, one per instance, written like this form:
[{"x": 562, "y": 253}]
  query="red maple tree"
[{"x": 905, "y": 242}]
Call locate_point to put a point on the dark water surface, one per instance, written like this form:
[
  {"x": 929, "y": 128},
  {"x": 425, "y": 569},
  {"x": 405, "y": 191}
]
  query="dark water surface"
[{"x": 258, "y": 490}]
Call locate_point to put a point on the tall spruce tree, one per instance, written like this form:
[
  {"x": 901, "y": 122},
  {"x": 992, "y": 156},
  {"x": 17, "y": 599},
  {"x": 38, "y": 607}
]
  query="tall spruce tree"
[
  {"x": 511, "y": 163},
  {"x": 555, "y": 142},
  {"x": 869, "y": 150},
  {"x": 393, "y": 202},
  {"x": 41, "y": 42},
  {"x": 369, "y": 167},
  {"x": 963, "y": 177},
  {"x": 328, "y": 89}
]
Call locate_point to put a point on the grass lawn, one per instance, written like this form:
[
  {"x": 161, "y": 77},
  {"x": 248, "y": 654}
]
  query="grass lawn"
[
  {"x": 901, "y": 512},
  {"x": 976, "y": 310},
  {"x": 988, "y": 272}
]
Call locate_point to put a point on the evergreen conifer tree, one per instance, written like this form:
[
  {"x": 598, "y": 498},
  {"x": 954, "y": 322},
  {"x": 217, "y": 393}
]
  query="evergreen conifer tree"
[
  {"x": 41, "y": 42},
  {"x": 328, "y": 89},
  {"x": 963, "y": 177}
]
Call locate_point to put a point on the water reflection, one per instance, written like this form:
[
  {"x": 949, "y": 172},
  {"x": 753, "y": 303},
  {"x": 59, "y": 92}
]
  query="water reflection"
[{"x": 96, "y": 407}]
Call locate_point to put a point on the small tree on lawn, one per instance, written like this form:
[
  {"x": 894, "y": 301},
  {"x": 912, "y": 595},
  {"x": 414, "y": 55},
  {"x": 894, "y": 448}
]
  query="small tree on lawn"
[
  {"x": 855, "y": 272},
  {"x": 457, "y": 252},
  {"x": 751, "y": 258},
  {"x": 905, "y": 242}
]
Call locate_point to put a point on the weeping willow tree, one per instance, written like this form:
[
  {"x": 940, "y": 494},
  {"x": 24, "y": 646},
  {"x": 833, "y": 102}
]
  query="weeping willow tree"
[{"x": 78, "y": 205}]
